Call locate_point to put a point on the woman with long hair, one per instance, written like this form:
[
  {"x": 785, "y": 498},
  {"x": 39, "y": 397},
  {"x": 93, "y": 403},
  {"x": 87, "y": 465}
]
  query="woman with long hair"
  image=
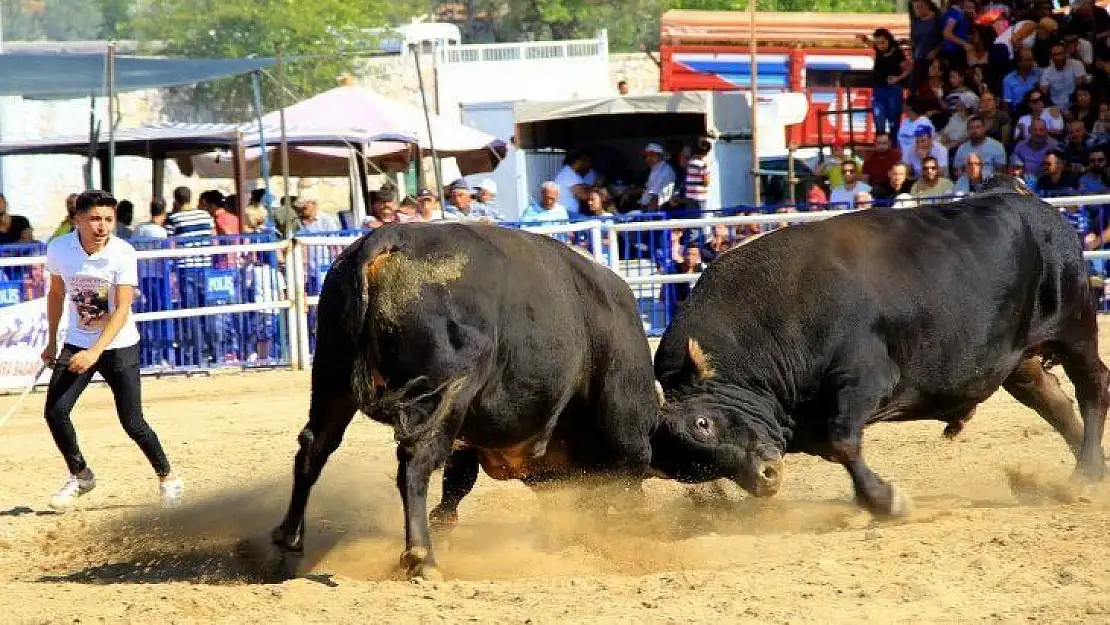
[{"x": 888, "y": 79}]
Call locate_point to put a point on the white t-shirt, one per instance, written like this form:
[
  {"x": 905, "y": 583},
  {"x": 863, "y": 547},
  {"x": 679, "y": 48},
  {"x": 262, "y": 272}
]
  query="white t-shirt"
[
  {"x": 567, "y": 179},
  {"x": 907, "y": 129},
  {"x": 90, "y": 287},
  {"x": 844, "y": 197},
  {"x": 660, "y": 184}
]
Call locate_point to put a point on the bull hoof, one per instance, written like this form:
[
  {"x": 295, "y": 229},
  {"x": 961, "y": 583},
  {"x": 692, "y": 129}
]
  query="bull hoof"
[
  {"x": 417, "y": 563},
  {"x": 952, "y": 430},
  {"x": 1089, "y": 473},
  {"x": 894, "y": 505},
  {"x": 443, "y": 518}
]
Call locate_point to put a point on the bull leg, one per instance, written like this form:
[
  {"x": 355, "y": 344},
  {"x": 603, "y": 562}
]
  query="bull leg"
[
  {"x": 859, "y": 397},
  {"x": 459, "y": 476},
  {"x": 1091, "y": 380},
  {"x": 416, "y": 462},
  {"x": 956, "y": 421},
  {"x": 318, "y": 440},
  {"x": 1038, "y": 389}
]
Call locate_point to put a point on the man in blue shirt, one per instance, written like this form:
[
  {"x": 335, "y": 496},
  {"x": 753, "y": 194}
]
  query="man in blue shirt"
[
  {"x": 547, "y": 208},
  {"x": 1022, "y": 80}
]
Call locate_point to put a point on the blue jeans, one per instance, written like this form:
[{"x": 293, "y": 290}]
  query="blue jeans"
[{"x": 886, "y": 106}]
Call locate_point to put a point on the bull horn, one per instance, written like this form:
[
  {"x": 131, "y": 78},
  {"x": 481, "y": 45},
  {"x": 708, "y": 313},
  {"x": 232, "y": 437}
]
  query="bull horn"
[
  {"x": 659, "y": 393},
  {"x": 699, "y": 359}
]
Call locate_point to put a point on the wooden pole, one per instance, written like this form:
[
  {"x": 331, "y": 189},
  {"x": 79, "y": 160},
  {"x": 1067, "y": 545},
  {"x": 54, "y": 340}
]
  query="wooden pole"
[
  {"x": 285, "y": 208},
  {"x": 428, "y": 122}
]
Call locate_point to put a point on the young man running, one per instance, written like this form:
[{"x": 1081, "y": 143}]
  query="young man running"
[{"x": 98, "y": 273}]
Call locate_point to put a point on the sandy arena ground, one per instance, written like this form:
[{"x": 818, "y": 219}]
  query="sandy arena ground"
[{"x": 997, "y": 534}]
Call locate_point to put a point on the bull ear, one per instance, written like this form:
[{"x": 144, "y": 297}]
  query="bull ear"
[{"x": 698, "y": 360}]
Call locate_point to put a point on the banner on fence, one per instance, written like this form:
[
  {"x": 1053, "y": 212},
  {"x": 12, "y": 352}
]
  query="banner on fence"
[{"x": 23, "y": 336}]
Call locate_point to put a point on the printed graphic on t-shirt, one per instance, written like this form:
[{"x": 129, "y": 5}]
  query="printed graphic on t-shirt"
[{"x": 89, "y": 297}]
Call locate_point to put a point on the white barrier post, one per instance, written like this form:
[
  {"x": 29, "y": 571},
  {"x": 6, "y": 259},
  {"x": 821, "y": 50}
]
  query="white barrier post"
[
  {"x": 303, "y": 347},
  {"x": 292, "y": 314},
  {"x": 595, "y": 243},
  {"x": 614, "y": 250}
]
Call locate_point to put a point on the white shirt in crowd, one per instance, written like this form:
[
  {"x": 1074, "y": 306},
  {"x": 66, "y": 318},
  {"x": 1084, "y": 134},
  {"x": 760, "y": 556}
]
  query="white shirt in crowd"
[
  {"x": 90, "y": 282},
  {"x": 907, "y": 129},
  {"x": 660, "y": 183},
  {"x": 1055, "y": 123},
  {"x": 567, "y": 179},
  {"x": 1061, "y": 82},
  {"x": 842, "y": 196}
]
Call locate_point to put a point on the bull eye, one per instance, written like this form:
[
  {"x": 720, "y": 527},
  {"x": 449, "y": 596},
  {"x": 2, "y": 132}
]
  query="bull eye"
[{"x": 702, "y": 424}]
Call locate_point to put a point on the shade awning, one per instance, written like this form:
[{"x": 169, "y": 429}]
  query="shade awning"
[
  {"x": 44, "y": 76},
  {"x": 681, "y": 102}
]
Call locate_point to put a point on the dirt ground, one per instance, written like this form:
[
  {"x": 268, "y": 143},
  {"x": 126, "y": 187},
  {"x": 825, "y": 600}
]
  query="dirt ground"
[{"x": 997, "y": 532}]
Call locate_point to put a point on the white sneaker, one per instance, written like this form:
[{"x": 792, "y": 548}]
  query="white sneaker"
[
  {"x": 73, "y": 488},
  {"x": 172, "y": 492}
]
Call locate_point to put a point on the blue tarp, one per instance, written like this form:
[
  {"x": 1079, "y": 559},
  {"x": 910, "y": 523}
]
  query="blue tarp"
[{"x": 43, "y": 76}]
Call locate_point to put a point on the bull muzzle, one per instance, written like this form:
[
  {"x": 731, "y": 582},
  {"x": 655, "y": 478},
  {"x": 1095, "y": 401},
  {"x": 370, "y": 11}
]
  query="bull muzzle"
[{"x": 768, "y": 478}]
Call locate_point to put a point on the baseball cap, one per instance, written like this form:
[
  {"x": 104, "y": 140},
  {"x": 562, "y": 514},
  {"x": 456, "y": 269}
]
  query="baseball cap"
[
  {"x": 424, "y": 193},
  {"x": 923, "y": 131},
  {"x": 488, "y": 185},
  {"x": 653, "y": 148}
]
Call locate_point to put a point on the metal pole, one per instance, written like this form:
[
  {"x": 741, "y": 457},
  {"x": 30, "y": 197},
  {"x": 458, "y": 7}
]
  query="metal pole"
[
  {"x": 757, "y": 192},
  {"x": 111, "y": 163},
  {"x": 285, "y": 209},
  {"x": 790, "y": 180},
  {"x": 428, "y": 123},
  {"x": 256, "y": 87}
]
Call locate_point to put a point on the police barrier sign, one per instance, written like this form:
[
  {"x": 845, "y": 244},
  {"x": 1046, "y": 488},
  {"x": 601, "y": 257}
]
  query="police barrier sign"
[{"x": 23, "y": 336}]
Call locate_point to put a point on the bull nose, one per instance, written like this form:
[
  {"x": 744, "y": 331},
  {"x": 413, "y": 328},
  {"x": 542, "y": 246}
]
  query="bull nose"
[{"x": 768, "y": 478}]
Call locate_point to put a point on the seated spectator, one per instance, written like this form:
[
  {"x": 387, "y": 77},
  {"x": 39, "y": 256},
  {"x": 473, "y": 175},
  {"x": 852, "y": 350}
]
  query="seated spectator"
[
  {"x": 1033, "y": 150},
  {"x": 383, "y": 210},
  {"x": 992, "y": 154},
  {"x": 932, "y": 184},
  {"x": 915, "y": 120},
  {"x": 427, "y": 205},
  {"x": 572, "y": 185},
  {"x": 690, "y": 261},
  {"x": 862, "y": 200},
  {"x": 877, "y": 163},
  {"x": 1076, "y": 147},
  {"x": 719, "y": 242},
  {"x": 598, "y": 204},
  {"x": 829, "y": 166},
  {"x": 407, "y": 212},
  {"x": 1051, "y": 116},
  {"x": 462, "y": 207},
  {"x": 998, "y": 123},
  {"x": 924, "y": 147},
  {"x": 486, "y": 193},
  {"x": 1100, "y": 132},
  {"x": 1062, "y": 76},
  {"x": 13, "y": 228},
  {"x": 1017, "y": 85},
  {"x": 843, "y": 197},
  {"x": 254, "y": 219},
  {"x": 1094, "y": 180},
  {"x": 955, "y": 131},
  {"x": 898, "y": 182},
  {"x": 67, "y": 224},
  {"x": 155, "y": 228},
  {"x": 1017, "y": 170},
  {"x": 1058, "y": 178},
  {"x": 973, "y": 177},
  {"x": 1083, "y": 108},
  {"x": 547, "y": 208},
  {"x": 310, "y": 219}
]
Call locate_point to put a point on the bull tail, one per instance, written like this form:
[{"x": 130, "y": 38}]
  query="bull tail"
[{"x": 364, "y": 261}]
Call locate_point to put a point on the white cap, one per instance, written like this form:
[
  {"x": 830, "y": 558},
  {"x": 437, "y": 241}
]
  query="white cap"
[
  {"x": 306, "y": 195},
  {"x": 489, "y": 186},
  {"x": 654, "y": 147}
]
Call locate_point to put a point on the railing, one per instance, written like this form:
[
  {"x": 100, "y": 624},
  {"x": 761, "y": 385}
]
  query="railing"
[
  {"x": 528, "y": 51},
  {"x": 250, "y": 301}
]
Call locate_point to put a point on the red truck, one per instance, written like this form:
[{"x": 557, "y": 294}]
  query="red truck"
[{"x": 817, "y": 54}]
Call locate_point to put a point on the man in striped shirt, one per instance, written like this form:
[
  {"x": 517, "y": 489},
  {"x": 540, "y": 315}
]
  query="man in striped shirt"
[
  {"x": 697, "y": 176},
  {"x": 192, "y": 227}
]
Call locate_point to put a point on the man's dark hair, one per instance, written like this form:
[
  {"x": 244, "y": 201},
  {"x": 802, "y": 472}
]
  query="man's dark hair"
[
  {"x": 213, "y": 197},
  {"x": 157, "y": 207},
  {"x": 257, "y": 195},
  {"x": 702, "y": 147},
  {"x": 182, "y": 195},
  {"x": 975, "y": 118},
  {"x": 90, "y": 199},
  {"x": 385, "y": 195},
  {"x": 125, "y": 212}
]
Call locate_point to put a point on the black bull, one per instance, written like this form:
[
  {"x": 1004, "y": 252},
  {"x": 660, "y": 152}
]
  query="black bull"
[
  {"x": 479, "y": 345},
  {"x": 798, "y": 340}
]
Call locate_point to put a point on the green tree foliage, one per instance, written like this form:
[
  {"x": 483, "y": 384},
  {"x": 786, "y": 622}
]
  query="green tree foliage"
[
  {"x": 325, "y": 34},
  {"x": 54, "y": 20},
  {"x": 631, "y": 24}
]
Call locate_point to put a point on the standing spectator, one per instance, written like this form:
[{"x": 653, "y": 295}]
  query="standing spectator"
[
  {"x": 956, "y": 30},
  {"x": 697, "y": 177},
  {"x": 155, "y": 228},
  {"x": 1018, "y": 34},
  {"x": 191, "y": 227},
  {"x": 888, "y": 77},
  {"x": 1018, "y": 83},
  {"x": 925, "y": 31},
  {"x": 844, "y": 196},
  {"x": 992, "y": 154},
  {"x": 12, "y": 227},
  {"x": 1032, "y": 151},
  {"x": 932, "y": 184},
  {"x": 215, "y": 204},
  {"x": 572, "y": 186},
  {"x": 660, "y": 182},
  {"x": 427, "y": 205},
  {"x": 125, "y": 214},
  {"x": 1062, "y": 76},
  {"x": 1043, "y": 40},
  {"x": 464, "y": 208},
  {"x": 310, "y": 219},
  {"x": 547, "y": 208},
  {"x": 182, "y": 199},
  {"x": 263, "y": 284}
]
